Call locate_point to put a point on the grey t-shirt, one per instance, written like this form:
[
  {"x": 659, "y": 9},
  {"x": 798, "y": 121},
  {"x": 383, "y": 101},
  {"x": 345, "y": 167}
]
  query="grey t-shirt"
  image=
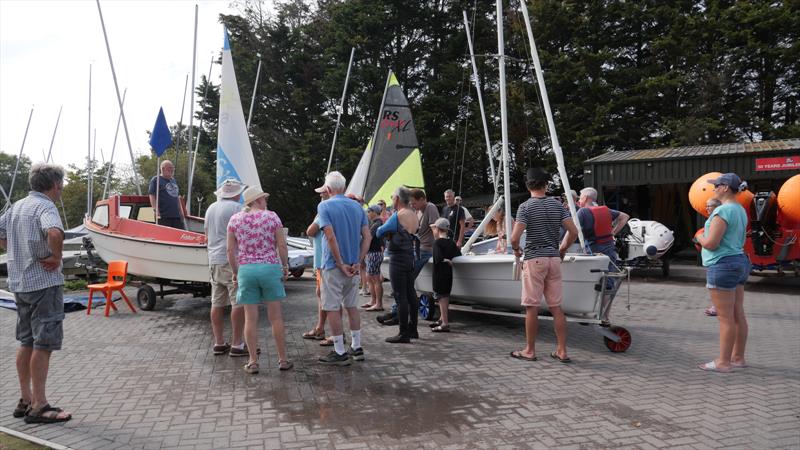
[
  {"x": 426, "y": 219},
  {"x": 218, "y": 215}
]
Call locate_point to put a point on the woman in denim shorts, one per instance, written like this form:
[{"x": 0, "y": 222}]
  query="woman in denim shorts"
[{"x": 727, "y": 270}]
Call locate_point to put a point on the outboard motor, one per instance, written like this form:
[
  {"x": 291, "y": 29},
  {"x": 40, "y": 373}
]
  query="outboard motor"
[{"x": 763, "y": 222}]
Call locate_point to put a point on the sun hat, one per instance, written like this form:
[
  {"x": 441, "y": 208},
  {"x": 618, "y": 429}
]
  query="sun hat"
[
  {"x": 253, "y": 193},
  {"x": 375, "y": 208},
  {"x": 230, "y": 188},
  {"x": 728, "y": 179},
  {"x": 441, "y": 223}
]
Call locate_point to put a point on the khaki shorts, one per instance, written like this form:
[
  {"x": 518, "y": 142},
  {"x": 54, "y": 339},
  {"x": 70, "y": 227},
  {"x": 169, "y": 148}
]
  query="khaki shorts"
[
  {"x": 223, "y": 291},
  {"x": 541, "y": 277},
  {"x": 338, "y": 289}
]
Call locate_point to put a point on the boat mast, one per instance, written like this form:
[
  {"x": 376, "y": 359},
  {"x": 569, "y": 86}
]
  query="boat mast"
[
  {"x": 480, "y": 103},
  {"x": 375, "y": 133},
  {"x": 178, "y": 134},
  {"x": 504, "y": 117},
  {"x": 113, "y": 148},
  {"x": 119, "y": 101},
  {"x": 19, "y": 156},
  {"x": 562, "y": 170},
  {"x": 58, "y": 119},
  {"x": 255, "y": 88},
  {"x": 202, "y": 116},
  {"x": 341, "y": 108},
  {"x": 89, "y": 148},
  {"x": 191, "y": 117}
]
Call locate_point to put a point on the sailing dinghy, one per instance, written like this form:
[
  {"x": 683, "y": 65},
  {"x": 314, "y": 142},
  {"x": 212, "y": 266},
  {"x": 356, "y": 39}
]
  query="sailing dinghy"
[{"x": 123, "y": 226}]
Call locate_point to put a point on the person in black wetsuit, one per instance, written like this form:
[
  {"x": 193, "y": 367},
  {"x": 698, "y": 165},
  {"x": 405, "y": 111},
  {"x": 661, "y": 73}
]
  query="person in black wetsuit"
[{"x": 400, "y": 228}]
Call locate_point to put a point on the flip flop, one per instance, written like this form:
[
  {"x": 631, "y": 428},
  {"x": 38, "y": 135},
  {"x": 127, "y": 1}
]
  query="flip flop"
[
  {"x": 366, "y": 305},
  {"x": 566, "y": 360},
  {"x": 711, "y": 366},
  {"x": 373, "y": 309},
  {"x": 739, "y": 365},
  {"x": 518, "y": 355}
]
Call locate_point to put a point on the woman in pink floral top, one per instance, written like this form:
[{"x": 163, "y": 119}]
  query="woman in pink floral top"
[{"x": 259, "y": 259}]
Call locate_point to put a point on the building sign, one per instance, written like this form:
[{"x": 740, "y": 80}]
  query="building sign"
[{"x": 780, "y": 163}]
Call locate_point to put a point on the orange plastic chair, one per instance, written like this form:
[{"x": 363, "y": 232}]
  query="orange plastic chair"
[{"x": 117, "y": 276}]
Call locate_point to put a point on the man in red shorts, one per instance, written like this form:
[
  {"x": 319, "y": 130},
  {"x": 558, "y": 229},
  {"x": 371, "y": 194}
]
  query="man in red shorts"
[{"x": 541, "y": 217}]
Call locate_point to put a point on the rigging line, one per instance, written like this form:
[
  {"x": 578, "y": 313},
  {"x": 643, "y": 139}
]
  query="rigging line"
[{"x": 463, "y": 153}]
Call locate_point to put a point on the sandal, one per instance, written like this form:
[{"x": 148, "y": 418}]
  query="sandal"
[
  {"x": 711, "y": 366},
  {"x": 441, "y": 329},
  {"x": 367, "y": 305},
  {"x": 518, "y": 355},
  {"x": 435, "y": 324},
  {"x": 711, "y": 311},
  {"x": 314, "y": 334},
  {"x": 566, "y": 360},
  {"x": 285, "y": 364},
  {"x": 251, "y": 368},
  {"x": 46, "y": 414},
  {"x": 374, "y": 309},
  {"x": 22, "y": 409}
]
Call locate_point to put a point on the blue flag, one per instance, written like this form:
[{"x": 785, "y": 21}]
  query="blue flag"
[{"x": 160, "y": 138}]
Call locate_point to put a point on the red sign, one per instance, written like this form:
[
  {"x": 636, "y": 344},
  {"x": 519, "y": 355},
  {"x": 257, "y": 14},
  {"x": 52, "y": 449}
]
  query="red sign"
[{"x": 780, "y": 163}]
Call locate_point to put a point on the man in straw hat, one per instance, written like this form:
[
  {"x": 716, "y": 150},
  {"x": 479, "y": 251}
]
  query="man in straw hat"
[
  {"x": 223, "y": 289},
  {"x": 346, "y": 242}
]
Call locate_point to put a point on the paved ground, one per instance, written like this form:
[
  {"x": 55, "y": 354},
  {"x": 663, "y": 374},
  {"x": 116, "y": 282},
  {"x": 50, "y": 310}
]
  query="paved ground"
[{"x": 150, "y": 381}]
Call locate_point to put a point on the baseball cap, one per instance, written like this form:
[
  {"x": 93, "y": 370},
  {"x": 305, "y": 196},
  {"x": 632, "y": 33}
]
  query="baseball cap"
[
  {"x": 442, "y": 224},
  {"x": 375, "y": 208},
  {"x": 728, "y": 179},
  {"x": 537, "y": 174}
]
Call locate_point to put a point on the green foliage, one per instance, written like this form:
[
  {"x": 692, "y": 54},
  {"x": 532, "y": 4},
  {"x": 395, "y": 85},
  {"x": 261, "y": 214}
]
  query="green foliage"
[
  {"x": 7, "y": 165},
  {"x": 75, "y": 285}
]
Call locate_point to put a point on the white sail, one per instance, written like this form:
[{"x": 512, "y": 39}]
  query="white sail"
[
  {"x": 359, "y": 178},
  {"x": 234, "y": 154}
]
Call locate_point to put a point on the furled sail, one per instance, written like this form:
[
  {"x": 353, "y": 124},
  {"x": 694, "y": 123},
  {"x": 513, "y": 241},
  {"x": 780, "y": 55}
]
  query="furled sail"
[
  {"x": 394, "y": 158},
  {"x": 234, "y": 154}
]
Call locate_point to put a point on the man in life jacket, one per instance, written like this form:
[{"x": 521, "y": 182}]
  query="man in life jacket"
[{"x": 599, "y": 223}]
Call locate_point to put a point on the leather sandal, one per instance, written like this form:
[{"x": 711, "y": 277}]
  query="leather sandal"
[
  {"x": 284, "y": 364},
  {"x": 251, "y": 368},
  {"x": 46, "y": 414},
  {"x": 22, "y": 409}
]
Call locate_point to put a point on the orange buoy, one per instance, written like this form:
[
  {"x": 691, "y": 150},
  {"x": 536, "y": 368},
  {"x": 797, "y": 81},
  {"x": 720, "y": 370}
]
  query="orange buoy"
[
  {"x": 701, "y": 191},
  {"x": 699, "y": 233},
  {"x": 789, "y": 198},
  {"x": 745, "y": 198}
]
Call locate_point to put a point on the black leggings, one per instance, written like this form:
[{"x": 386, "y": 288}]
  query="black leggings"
[{"x": 401, "y": 271}]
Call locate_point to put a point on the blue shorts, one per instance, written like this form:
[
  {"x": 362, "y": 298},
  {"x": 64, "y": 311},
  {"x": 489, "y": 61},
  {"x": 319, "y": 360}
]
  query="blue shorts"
[
  {"x": 728, "y": 273},
  {"x": 259, "y": 283}
]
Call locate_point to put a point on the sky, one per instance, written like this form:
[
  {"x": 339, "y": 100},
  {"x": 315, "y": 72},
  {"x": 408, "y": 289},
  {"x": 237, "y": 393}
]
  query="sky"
[{"x": 46, "y": 48}]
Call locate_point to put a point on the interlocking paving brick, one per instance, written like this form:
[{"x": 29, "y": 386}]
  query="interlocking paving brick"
[{"x": 150, "y": 381}]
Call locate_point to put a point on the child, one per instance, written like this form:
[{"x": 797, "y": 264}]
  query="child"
[{"x": 444, "y": 250}]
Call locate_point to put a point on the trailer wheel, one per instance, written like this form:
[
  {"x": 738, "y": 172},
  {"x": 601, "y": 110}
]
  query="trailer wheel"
[
  {"x": 427, "y": 307},
  {"x": 623, "y": 344},
  {"x": 146, "y": 297},
  {"x": 297, "y": 273}
]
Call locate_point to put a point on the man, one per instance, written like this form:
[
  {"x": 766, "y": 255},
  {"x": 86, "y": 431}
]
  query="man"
[
  {"x": 32, "y": 232},
  {"x": 223, "y": 288},
  {"x": 467, "y": 216},
  {"x": 313, "y": 232},
  {"x": 455, "y": 215},
  {"x": 599, "y": 224},
  {"x": 541, "y": 218},
  {"x": 427, "y": 214},
  {"x": 346, "y": 242},
  {"x": 168, "y": 212}
]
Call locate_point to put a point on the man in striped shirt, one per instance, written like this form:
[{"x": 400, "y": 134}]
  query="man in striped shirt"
[{"x": 542, "y": 217}]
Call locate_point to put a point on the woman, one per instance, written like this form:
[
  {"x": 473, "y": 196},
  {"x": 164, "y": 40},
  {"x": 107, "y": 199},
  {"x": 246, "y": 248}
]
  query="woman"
[
  {"x": 728, "y": 268},
  {"x": 259, "y": 259},
  {"x": 401, "y": 228},
  {"x": 496, "y": 227}
]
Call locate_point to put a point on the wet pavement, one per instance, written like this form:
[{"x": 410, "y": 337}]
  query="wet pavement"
[{"x": 150, "y": 380}]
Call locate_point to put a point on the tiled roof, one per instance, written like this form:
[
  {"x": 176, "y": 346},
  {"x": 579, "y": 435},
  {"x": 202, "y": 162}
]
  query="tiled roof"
[{"x": 698, "y": 151}]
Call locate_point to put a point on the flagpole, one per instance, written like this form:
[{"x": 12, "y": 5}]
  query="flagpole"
[{"x": 158, "y": 186}]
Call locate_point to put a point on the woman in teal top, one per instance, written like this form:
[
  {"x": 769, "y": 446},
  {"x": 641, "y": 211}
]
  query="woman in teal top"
[{"x": 727, "y": 270}]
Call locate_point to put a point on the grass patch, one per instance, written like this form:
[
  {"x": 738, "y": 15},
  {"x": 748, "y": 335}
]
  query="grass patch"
[
  {"x": 75, "y": 285},
  {"x": 8, "y": 442}
]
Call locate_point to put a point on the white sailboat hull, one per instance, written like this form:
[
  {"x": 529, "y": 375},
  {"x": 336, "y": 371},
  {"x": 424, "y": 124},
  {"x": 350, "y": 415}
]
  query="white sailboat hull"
[
  {"x": 154, "y": 259},
  {"x": 488, "y": 281}
]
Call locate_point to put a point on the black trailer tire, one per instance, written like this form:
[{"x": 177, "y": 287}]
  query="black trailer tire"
[
  {"x": 297, "y": 273},
  {"x": 146, "y": 297}
]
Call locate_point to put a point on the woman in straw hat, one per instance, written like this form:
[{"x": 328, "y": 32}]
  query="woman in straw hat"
[{"x": 259, "y": 259}]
